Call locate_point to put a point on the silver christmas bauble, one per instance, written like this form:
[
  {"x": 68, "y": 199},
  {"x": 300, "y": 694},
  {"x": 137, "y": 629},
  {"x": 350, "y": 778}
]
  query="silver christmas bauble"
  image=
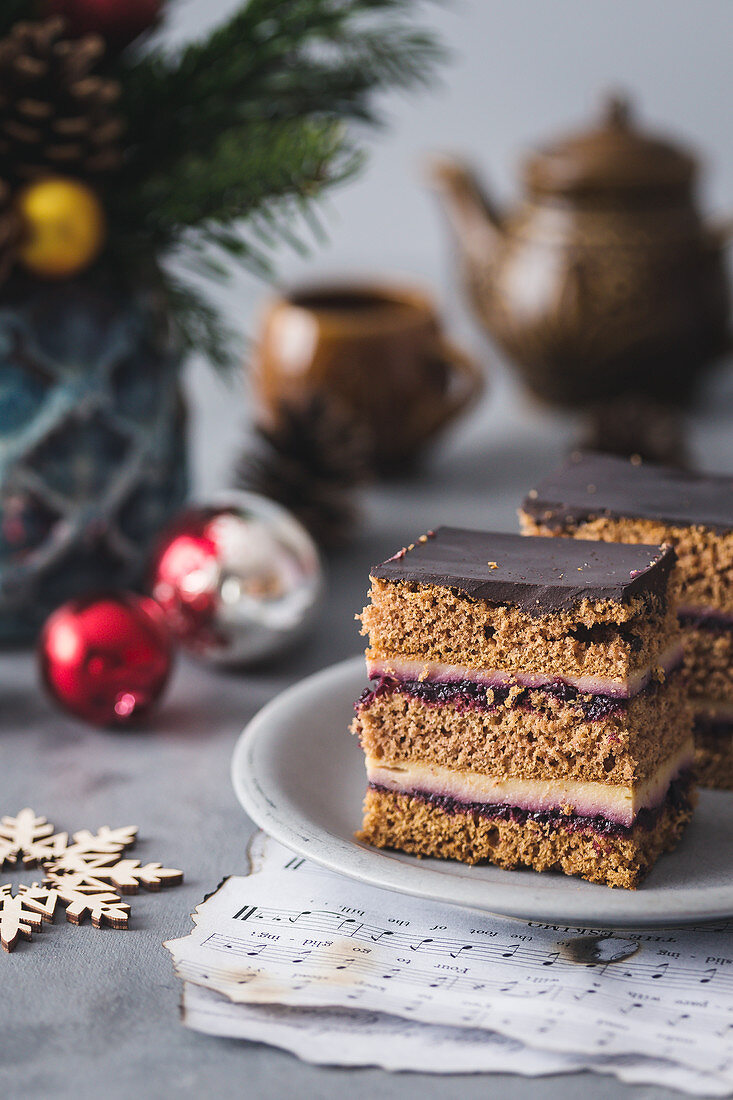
[{"x": 239, "y": 579}]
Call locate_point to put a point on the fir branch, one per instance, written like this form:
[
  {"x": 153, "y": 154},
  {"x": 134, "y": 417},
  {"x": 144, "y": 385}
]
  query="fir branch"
[
  {"x": 198, "y": 324},
  {"x": 276, "y": 61},
  {"x": 251, "y": 168},
  {"x": 234, "y": 139}
]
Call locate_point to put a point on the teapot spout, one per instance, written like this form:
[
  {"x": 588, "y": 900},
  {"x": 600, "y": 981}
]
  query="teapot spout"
[{"x": 472, "y": 216}]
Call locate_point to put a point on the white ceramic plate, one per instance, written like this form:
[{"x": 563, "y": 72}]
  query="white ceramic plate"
[{"x": 300, "y": 775}]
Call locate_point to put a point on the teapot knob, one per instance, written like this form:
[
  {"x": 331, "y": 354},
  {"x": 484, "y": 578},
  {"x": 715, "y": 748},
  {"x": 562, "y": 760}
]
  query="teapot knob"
[{"x": 617, "y": 111}]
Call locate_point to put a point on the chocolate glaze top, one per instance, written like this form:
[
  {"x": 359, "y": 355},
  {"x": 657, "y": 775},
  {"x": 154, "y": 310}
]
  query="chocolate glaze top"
[
  {"x": 537, "y": 575},
  {"x": 591, "y": 485}
]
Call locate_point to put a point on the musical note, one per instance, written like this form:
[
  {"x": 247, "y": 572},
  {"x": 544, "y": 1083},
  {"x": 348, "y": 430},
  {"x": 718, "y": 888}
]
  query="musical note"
[
  {"x": 416, "y": 947},
  {"x": 510, "y": 952},
  {"x": 661, "y": 971},
  {"x": 443, "y": 983},
  {"x": 356, "y": 925},
  {"x": 376, "y": 939},
  {"x": 551, "y": 958},
  {"x": 256, "y": 951},
  {"x": 304, "y": 913},
  {"x": 466, "y": 947},
  {"x": 709, "y": 975}
]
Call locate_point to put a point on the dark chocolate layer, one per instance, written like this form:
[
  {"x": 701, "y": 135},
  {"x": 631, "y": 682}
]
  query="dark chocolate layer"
[
  {"x": 468, "y": 695},
  {"x": 537, "y": 575},
  {"x": 592, "y": 485},
  {"x": 679, "y": 796}
]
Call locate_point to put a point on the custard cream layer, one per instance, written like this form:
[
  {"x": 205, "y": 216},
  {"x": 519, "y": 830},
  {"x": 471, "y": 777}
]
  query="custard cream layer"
[
  {"x": 569, "y": 796},
  {"x": 405, "y": 668}
]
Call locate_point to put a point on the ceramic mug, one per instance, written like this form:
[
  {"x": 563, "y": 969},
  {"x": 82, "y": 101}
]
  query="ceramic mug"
[{"x": 378, "y": 351}]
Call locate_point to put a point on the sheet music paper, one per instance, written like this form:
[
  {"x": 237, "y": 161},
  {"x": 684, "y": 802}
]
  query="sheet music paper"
[
  {"x": 502, "y": 993},
  {"x": 347, "y": 1038}
]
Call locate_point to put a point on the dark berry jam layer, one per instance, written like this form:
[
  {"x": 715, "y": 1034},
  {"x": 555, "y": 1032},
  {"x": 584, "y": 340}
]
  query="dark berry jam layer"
[
  {"x": 715, "y": 621},
  {"x": 679, "y": 797},
  {"x": 468, "y": 695},
  {"x": 713, "y": 727}
]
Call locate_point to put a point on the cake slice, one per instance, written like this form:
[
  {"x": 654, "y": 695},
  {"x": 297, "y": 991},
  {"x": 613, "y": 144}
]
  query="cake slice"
[
  {"x": 603, "y": 497},
  {"x": 526, "y": 706}
]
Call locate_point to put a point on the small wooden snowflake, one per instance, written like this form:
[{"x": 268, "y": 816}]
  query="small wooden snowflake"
[{"x": 85, "y": 873}]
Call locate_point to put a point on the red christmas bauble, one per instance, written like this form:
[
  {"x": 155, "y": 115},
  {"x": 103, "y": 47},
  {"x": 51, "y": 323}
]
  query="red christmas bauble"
[
  {"x": 107, "y": 658},
  {"x": 118, "y": 21},
  {"x": 185, "y": 577}
]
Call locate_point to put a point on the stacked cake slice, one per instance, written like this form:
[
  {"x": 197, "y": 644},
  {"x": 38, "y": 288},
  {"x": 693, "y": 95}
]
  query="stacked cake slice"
[
  {"x": 525, "y": 706},
  {"x": 602, "y": 497}
]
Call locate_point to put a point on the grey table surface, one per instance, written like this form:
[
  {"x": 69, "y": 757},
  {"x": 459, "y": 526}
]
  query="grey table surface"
[{"x": 88, "y": 1012}]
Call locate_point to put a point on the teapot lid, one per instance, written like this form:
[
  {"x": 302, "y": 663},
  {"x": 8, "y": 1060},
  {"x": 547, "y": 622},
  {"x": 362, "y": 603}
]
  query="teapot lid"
[{"x": 612, "y": 156}]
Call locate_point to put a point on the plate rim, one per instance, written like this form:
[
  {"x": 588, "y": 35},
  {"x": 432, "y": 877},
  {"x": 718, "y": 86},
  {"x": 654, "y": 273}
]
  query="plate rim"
[{"x": 372, "y": 866}]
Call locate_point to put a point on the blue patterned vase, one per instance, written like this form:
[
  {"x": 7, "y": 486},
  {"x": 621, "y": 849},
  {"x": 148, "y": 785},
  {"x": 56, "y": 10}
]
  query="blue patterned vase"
[{"x": 92, "y": 443}]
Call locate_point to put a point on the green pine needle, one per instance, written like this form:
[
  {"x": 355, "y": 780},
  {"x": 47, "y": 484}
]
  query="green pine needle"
[
  {"x": 234, "y": 140},
  {"x": 199, "y": 325}
]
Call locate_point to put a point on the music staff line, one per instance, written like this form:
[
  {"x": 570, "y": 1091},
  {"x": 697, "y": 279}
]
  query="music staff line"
[
  {"x": 479, "y": 1014},
  {"x": 327, "y": 922},
  {"x": 338, "y": 961},
  {"x": 475, "y": 1010},
  {"x": 713, "y": 927}
]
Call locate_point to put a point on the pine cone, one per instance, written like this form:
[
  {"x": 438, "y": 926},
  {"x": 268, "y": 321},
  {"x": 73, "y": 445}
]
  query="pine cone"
[
  {"x": 310, "y": 461},
  {"x": 56, "y": 114}
]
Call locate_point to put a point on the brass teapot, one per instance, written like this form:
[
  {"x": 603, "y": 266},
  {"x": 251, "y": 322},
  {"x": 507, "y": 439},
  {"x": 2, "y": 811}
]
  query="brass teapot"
[{"x": 605, "y": 280}]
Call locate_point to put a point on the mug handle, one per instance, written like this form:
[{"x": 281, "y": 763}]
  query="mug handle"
[{"x": 466, "y": 383}]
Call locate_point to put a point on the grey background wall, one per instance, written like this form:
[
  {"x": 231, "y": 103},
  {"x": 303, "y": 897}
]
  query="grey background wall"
[{"x": 521, "y": 70}]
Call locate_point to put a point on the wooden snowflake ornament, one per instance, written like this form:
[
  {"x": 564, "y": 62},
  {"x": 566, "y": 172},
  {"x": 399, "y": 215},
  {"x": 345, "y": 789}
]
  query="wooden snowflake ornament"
[{"x": 84, "y": 873}]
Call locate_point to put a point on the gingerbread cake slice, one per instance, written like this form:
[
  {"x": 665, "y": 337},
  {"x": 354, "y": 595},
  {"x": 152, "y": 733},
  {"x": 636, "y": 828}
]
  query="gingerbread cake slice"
[
  {"x": 603, "y": 497},
  {"x": 525, "y": 705}
]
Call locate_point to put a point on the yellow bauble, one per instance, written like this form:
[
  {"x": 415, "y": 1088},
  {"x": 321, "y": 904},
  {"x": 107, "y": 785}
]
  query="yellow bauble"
[{"x": 63, "y": 227}]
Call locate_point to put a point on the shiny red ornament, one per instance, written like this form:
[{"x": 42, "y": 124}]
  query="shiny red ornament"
[
  {"x": 106, "y": 658},
  {"x": 185, "y": 578},
  {"x": 118, "y": 21}
]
